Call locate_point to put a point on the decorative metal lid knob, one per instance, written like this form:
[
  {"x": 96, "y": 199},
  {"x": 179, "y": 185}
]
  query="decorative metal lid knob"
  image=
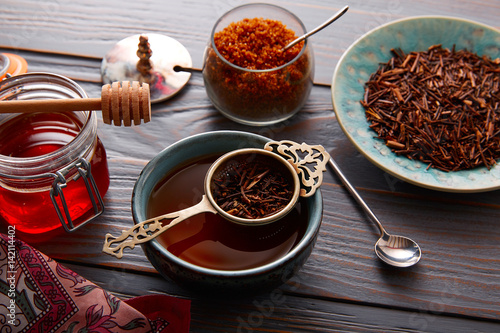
[{"x": 149, "y": 58}]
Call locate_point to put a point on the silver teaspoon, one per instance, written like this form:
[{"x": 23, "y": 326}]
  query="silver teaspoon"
[
  {"x": 318, "y": 28},
  {"x": 394, "y": 250}
]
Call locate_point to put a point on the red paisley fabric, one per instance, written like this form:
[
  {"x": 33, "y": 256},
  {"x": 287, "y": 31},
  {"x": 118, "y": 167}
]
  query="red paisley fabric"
[{"x": 37, "y": 294}]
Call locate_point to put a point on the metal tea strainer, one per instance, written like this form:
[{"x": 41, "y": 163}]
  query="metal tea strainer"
[{"x": 301, "y": 165}]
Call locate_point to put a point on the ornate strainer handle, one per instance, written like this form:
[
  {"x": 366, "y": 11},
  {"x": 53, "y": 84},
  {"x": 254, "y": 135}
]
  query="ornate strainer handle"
[
  {"x": 149, "y": 229},
  {"x": 308, "y": 160}
]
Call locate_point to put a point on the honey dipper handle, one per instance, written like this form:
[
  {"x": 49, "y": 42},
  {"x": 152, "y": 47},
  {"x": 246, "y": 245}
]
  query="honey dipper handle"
[
  {"x": 149, "y": 229},
  {"x": 120, "y": 102},
  {"x": 50, "y": 105}
]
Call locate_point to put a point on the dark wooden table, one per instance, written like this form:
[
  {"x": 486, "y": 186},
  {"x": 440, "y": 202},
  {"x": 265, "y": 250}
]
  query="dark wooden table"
[{"x": 343, "y": 286}]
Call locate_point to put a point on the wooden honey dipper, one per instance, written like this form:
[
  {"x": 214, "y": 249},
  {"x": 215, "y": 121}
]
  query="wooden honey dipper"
[{"x": 125, "y": 102}]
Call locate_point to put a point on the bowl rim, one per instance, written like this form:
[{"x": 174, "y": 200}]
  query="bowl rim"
[
  {"x": 308, "y": 237},
  {"x": 367, "y": 155},
  {"x": 412, "y": 18}
]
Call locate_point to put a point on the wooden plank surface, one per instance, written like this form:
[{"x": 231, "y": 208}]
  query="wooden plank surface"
[
  {"x": 91, "y": 27},
  {"x": 343, "y": 286},
  {"x": 343, "y": 265},
  {"x": 288, "y": 310}
]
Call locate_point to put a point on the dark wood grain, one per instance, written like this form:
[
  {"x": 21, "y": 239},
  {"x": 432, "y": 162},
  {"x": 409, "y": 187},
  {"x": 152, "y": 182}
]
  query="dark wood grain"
[
  {"x": 287, "y": 310},
  {"x": 343, "y": 286},
  {"x": 92, "y": 27},
  {"x": 343, "y": 265}
]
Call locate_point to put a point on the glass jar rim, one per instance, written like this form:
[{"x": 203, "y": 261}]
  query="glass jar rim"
[
  {"x": 80, "y": 145},
  {"x": 212, "y": 41}
]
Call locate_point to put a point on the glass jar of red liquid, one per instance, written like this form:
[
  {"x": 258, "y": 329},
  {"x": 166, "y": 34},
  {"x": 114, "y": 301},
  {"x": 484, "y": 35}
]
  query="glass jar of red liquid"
[{"x": 53, "y": 168}]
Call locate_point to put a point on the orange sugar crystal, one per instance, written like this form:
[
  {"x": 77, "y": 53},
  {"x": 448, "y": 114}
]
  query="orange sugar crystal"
[{"x": 256, "y": 43}]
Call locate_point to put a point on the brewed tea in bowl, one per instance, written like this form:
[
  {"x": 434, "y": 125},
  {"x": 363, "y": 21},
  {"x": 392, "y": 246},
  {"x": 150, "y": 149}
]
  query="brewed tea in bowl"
[{"x": 196, "y": 253}]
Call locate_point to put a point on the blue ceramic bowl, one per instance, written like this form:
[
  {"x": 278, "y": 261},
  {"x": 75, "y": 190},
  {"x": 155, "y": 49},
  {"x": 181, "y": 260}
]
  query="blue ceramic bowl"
[
  {"x": 192, "y": 276},
  {"x": 363, "y": 58}
]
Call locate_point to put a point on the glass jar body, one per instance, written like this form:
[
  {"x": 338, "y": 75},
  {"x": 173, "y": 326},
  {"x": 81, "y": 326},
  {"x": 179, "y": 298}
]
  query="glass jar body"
[
  {"x": 53, "y": 167},
  {"x": 258, "y": 97}
]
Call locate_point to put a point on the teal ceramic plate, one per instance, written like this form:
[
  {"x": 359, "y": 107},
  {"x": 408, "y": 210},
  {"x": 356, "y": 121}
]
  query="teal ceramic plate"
[{"x": 363, "y": 58}]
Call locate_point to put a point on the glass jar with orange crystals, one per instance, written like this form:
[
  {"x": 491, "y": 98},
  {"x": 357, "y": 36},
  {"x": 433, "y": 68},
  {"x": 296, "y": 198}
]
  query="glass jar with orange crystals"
[
  {"x": 247, "y": 75},
  {"x": 53, "y": 167}
]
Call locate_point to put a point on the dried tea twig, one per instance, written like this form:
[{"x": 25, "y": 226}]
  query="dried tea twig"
[{"x": 439, "y": 106}]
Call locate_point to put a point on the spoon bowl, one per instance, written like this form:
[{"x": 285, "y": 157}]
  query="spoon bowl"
[
  {"x": 394, "y": 250},
  {"x": 397, "y": 251}
]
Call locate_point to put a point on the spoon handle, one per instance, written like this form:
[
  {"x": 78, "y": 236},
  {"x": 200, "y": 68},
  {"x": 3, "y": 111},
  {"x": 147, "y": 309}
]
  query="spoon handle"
[
  {"x": 320, "y": 27},
  {"x": 356, "y": 196},
  {"x": 149, "y": 229}
]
